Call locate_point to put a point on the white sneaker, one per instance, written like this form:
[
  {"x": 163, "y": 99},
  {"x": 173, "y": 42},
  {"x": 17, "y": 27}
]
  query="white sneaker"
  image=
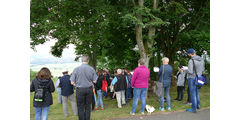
[
  {"x": 132, "y": 113},
  {"x": 169, "y": 108},
  {"x": 161, "y": 109},
  {"x": 142, "y": 113}
]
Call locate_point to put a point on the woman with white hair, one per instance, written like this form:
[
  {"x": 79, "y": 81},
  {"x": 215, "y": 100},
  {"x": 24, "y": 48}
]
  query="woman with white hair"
[
  {"x": 165, "y": 72},
  {"x": 120, "y": 85}
]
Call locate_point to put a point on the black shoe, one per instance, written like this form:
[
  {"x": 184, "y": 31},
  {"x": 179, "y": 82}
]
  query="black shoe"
[
  {"x": 179, "y": 99},
  {"x": 176, "y": 99}
]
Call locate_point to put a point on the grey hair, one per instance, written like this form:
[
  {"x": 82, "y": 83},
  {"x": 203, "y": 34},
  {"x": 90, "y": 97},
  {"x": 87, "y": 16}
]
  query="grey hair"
[
  {"x": 119, "y": 71},
  {"x": 85, "y": 58},
  {"x": 165, "y": 59},
  {"x": 141, "y": 61}
]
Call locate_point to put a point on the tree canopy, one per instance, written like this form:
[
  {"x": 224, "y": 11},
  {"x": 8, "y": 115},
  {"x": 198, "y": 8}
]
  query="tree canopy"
[{"x": 109, "y": 30}]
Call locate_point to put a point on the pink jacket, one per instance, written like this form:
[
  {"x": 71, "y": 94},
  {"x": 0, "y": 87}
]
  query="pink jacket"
[{"x": 140, "y": 77}]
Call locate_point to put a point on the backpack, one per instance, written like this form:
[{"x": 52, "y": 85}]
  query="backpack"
[
  {"x": 104, "y": 85},
  {"x": 40, "y": 93}
]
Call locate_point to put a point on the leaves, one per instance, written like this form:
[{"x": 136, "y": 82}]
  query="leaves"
[{"x": 107, "y": 28}]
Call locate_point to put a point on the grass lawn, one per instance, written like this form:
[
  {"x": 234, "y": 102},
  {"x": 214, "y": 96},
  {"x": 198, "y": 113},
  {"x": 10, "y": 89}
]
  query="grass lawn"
[{"x": 111, "y": 110}]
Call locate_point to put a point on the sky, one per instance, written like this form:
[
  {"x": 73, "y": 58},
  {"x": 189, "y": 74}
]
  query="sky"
[{"x": 42, "y": 54}]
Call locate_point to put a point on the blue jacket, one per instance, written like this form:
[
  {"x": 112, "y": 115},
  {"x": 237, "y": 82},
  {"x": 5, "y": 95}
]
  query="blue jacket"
[{"x": 166, "y": 75}]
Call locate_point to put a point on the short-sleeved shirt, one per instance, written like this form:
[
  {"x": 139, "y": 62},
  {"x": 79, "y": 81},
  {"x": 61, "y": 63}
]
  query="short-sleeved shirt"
[{"x": 83, "y": 76}]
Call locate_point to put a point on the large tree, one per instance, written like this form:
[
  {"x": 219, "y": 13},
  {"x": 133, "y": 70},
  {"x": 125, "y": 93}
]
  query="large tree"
[
  {"x": 109, "y": 30},
  {"x": 91, "y": 26}
]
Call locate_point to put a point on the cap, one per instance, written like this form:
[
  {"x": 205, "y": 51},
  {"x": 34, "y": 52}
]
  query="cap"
[{"x": 190, "y": 51}]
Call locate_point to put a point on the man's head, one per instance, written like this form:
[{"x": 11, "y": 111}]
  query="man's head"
[
  {"x": 180, "y": 68},
  {"x": 165, "y": 60},
  {"x": 119, "y": 71},
  {"x": 140, "y": 62},
  {"x": 191, "y": 52},
  {"x": 65, "y": 72},
  {"x": 85, "y": 58}
]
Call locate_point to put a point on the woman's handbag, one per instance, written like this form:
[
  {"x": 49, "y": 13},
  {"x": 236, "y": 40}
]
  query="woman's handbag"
[{"x": 159, "y": 85}]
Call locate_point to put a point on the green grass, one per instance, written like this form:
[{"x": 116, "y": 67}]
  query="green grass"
[{"x": 111, "y": 110}]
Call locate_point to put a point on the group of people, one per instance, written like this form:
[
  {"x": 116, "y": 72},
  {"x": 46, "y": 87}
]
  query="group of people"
[
  {"x": 195, "y": 67},
  {"x": 91, "y": 86}
]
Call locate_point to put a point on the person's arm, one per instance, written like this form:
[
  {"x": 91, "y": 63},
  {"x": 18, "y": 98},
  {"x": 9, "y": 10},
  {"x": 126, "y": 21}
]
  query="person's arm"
[
  {"x": 73, "y": 77},
  {"x": 171, "y": 69},
  {"x": 203, "y": 66},
  {"x": 190, "y": 66},
  {"x": 160, "y": 71},
  {"x": 114, "y": 81},
  {"x": 126, "y": 79},
  {"x": 176, "y": 76},
  {"x": 32, "y": 88},
  {"x": 134, "y": 76},
  {"x": 95, "y": 77},
  {"x": 58, "y": 83},
  {"x": 52, "y": 88}
]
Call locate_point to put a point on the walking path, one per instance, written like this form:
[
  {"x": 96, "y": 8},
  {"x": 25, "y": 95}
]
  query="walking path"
[{"x": 202, "y": 114}]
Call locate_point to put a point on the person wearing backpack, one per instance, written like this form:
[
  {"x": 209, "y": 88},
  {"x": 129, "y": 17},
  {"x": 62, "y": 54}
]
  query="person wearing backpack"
[
  {"x": 120, "y": 86},
  {"x": 106, "y": 83},
  {"x": 43, "y": 87},
  {"x": 195, "y": 63},
  {"x": 98, "y": 88}
]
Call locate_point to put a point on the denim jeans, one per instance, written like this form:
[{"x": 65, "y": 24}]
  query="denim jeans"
[
  {"x": 41, "y": 110},
  {"x": 139, "y": 92},
  {"x": 166, "y": 90},
  {"x": 84, "y": 101},
  {"x": 128, "y": 94},
  {"x": 194, "y": 94},
  {"x": 59, "y": 95},
  {"x": 99, "y": 99}
]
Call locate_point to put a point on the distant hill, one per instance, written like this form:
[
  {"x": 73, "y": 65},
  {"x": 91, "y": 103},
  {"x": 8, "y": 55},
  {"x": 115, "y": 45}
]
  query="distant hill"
[
  {"x": 56, "y": 69},
  {"x": 44, "y": 59}
]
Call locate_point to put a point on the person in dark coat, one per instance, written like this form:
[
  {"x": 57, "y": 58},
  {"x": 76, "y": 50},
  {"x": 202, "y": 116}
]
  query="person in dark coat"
[
  {"x": 43, "y": 87},
  {"x": 120, "y": 86},
  {"x": 99, "y": 90},
  {"x": 67, "y": 93}
]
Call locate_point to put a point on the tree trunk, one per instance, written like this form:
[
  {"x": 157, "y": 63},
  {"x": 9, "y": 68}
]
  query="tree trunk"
[
  {"x": 93, "y": 59},
  {"x": 139, "y": 35}
]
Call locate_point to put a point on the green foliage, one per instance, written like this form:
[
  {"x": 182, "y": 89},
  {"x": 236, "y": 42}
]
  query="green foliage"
[
  {"x": 105, "y": 30},
  {"x": 149, "y": 19},
  {"x": 33, "y": 74}
]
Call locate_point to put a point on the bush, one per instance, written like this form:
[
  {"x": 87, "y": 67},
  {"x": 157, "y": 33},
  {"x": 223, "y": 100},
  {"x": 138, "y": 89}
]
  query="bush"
[{"x": 32, "y": 74}]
